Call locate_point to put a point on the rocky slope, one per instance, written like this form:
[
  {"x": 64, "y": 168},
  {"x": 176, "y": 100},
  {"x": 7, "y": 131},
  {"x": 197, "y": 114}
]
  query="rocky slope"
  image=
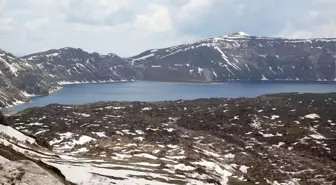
[
  {"x": 70, "y": 65},
  {"x": 19, "y": 78},
  {"x": 19, "y": 160},
  {"x": 241, "y": 57},
  {"x": 42, "y": 73},
  {"x": 284, "y": 139}
]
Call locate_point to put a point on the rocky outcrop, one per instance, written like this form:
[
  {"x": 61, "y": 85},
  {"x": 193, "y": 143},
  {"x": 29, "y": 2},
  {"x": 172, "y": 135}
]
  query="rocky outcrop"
[
  {"x": 2, "y": 119},
  {"x": 19, "y": 78},
  {"x": 70, "y": 65},
  {"x": 20, "y": 162},
  {"x": 25, "y": 172},
  {"x": 241, "y": 57}
]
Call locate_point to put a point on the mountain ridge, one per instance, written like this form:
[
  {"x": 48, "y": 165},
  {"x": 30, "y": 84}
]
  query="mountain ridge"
[
  {"x": 249, "y": 58},
  {"x": 223, "y": 58}
]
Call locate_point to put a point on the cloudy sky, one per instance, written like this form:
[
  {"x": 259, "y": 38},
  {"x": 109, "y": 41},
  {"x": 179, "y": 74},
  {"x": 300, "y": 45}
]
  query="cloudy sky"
[{"x": 127, "y": 27}]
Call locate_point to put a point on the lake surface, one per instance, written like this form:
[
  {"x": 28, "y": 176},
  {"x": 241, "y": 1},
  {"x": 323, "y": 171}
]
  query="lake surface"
[{"x": 159, "y": 91}]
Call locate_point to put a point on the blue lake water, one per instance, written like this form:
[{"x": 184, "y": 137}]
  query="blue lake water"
[{"x": 159, "y": 91}]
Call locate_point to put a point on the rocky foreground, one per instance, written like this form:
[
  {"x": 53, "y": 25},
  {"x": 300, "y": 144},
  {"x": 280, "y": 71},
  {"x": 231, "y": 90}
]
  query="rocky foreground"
[
  {"x": 273, "y": 139},
  {"x": 17, "y": 164}
]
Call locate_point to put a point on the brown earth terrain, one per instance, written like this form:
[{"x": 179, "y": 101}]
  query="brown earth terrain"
[{"x": 272, "y": 139}]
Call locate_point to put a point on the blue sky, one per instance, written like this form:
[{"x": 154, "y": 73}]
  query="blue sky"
[{"x": 127, "y": 27}]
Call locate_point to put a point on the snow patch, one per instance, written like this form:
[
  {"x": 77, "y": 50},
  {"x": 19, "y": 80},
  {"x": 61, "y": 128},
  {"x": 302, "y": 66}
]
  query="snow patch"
[{"x": 312, "y": 116}]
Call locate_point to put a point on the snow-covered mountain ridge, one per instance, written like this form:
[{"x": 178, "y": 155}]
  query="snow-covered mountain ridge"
[
  {"x": 43, "y": 73},
  {"x": 241, "y": 57},
  {"x": 19, "y": 78},
  {"x": 70, "y": 65},
  {"x": 237, "y": 56}
]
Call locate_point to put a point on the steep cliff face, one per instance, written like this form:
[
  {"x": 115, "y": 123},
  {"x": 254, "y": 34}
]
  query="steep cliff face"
[
  {"x": 69, "y": 65},
  {"x": 19, "y": 78},
  {"x": 241, "y": 57}
]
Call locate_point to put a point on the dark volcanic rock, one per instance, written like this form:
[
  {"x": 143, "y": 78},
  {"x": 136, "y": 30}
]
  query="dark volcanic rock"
[
  {"x": 241, "y": 58},
  {"x": 284, "y": 138},
  {"x": 76, "y": 65},
  {"x": 2, "y": 119}
]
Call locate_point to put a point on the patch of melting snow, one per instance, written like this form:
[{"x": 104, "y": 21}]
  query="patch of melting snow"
[
  {"x": 317, "y": 136},
  {"x": 82, "y": 114},
  {"x": 131, "y": 144},
  {"x": 280, "y": 144},
  {"x": 115, "y": 108},
  {"x": 172, "y": 146},
  {"x": 211, "y": 166},
  {"x": 128, "y": 132},
  {"x": 121, "y": 156},
  {"x": 82, "y": 150},
  {"x": 243, "y": 168},
  {"x": 175, "y": 157},
  {"x": 275, "y": 117},
  {"x": 147, "y": 108},
  {"x": 183, "y": 167},
  {"x": 139, "y": 138},
  {"x": 35, "y": 124},
  {"x": 3, "y": 160},
  {"x": 229, "y": 156},
  {"x": 210, "y": 153},
  {"x": 146, "y": 164},
  {"x": 156, "y": 151},
  {"x": 255, "y": 124},
  {"x": 94, "y": 174},
  {"x": 144, "y": 155},
  {"x": 82, "y": 140},
  {"x": 100, "y": 134},
  {"x": 312, "y": 116},
  {"x": 41, "y": 132},
  {"x": 169, "y": 129},
  {"x": 140, "y": 132},
  {"x": 9, "y": 131},
  {"x": 266, "y": 135}
]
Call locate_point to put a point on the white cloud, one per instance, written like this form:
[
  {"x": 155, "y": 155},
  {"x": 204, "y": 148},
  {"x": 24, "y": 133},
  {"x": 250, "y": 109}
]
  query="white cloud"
[
  {"x": 157, "y": 19},
  {"x": 2, "y": 4},
  {"x": 128, "y": 27},
  {"x": 6, "y": 24},
  {"x": 319, "y": 21},
  {"x": 194, "y": 10},
  {"x": 36, "y": 25}
]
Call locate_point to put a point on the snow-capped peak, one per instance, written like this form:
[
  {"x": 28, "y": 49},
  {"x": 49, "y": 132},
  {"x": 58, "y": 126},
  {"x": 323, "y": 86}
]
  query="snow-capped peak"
[{"x": 239, "y": 34}]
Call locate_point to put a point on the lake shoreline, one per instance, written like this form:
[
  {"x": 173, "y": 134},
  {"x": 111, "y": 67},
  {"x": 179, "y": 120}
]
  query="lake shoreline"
[{"x": 163, "y": 91}]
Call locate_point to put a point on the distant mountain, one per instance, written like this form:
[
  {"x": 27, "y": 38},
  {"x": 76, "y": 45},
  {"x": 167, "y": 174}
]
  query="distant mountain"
[
  {"x": 234, "y": 57},
  {"x": 238, "y": 34},
  {"x": 20, "y": 78},
  {"x": 241, "y": 57},
  {"x": 70, "y": 65}
]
